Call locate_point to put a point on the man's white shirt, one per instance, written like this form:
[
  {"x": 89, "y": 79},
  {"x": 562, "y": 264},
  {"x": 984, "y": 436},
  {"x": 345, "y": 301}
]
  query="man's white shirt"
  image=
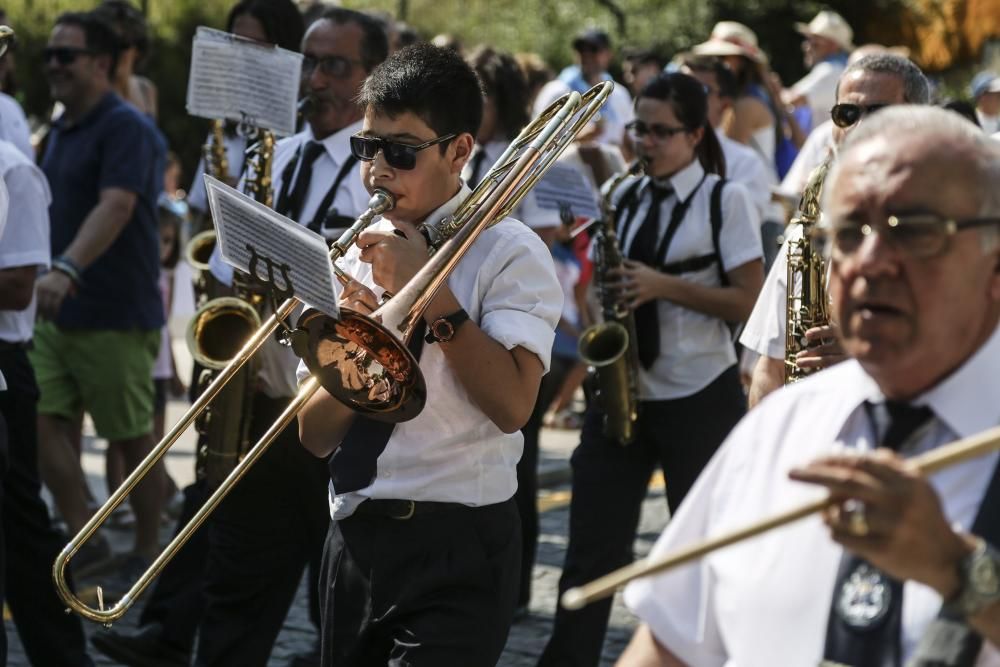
[
  {"x": 452, "y": 452},
  {"x": 612, "y": 124},
  {"x": 766, "y": 601}
]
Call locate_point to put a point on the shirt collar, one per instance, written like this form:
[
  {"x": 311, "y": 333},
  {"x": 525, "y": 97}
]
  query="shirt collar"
[
  {"x": 338, "y": 144},
  {"x": 959, "y": 400},
  {"x": 109, "y": 99},
  {"x": 685, "y": 181},
  {"x": 450, "y": 206}
]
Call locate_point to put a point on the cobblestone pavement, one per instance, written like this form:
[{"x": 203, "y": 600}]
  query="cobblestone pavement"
[{"x": 527, "y": 638}]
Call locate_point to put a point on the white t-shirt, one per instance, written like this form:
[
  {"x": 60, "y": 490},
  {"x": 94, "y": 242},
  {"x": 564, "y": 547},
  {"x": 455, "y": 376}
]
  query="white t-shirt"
[
  {"x": 25, "y": 239},
  {"x": 765, "y": 601},
  {"x": 817, "y": 146},
  {"x": 819, "y": 87},
  {"x": 617, "y": 114},
  {"x": 452, "y": 452},
  {"x": 745, "y": 165},
  {"x": 694, "y": 347},
  {"x": 277, "y": 363}
]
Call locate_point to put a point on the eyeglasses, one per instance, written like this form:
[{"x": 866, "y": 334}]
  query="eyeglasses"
[
  {"x": 336, "y": 66},
  {"x": 64, "y": 55},
  {"x": 847, "y": 114},
  {"x": 921, "y": 236},
  {"x": 397, "y": 155},
  {"x": 661, "y": 132}
]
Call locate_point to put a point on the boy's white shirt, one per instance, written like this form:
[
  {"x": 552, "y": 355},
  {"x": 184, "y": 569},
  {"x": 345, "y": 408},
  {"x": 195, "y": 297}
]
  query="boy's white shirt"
[{"x": 453, "y": 452}]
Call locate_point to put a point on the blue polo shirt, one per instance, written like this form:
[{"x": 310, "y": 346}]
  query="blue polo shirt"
[{"x": 112, "y": 146}]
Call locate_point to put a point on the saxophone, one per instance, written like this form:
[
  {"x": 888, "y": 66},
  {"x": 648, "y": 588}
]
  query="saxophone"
[
  {"x": 609, "y": 347},
  {"x": 810, "y": 307},
  {"x": 200, "y": 247},
  {"x": 217, "y": 332}
]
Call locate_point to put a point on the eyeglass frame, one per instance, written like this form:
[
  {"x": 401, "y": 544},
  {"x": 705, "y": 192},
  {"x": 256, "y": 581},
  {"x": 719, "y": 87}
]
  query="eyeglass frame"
[
  {"x": 659, "y": 131},
  {"x": 310, "y": 63},
  {"x": 381, "y": 143},
  {"x": 863, "y": 110},
  {"x": 825, "y": 235}
]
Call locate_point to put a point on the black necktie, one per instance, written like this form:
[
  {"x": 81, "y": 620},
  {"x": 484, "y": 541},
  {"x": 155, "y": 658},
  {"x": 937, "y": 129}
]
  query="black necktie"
[
  {"x": 292, "y": 206},
  {"x": 477, "y": 165},
  {"x": 863, "y": 629},
  {"x": 643, "y": 249},
  {"x": 355, "y": 463}
]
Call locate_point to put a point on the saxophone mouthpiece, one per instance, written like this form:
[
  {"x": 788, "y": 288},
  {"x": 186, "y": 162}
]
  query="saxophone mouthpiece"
[{"x": 638, "y": 166}]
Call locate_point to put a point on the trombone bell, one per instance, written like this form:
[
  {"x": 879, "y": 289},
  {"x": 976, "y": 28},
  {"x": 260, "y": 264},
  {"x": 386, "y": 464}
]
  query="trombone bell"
[{"x": 364, "y": 366}]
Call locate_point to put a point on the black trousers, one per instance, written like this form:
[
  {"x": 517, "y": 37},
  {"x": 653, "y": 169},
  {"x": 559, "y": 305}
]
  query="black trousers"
[
  {"x": 260, "y": 540},
  {"x": 437, "y": 590},
  {"x": 526, "y": 496},
  {"x": 609, "y": 485},
  {"x": 49, "y": 635}
]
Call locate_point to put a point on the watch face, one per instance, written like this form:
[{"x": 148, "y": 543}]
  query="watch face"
[
  {"x": 443, "y": 330},
  {"x": 865, "y": 597},
  {"x": 983, "y": 576}
]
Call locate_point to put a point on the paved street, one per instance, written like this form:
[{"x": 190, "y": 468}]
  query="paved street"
[{"x": 527, "y": 638}]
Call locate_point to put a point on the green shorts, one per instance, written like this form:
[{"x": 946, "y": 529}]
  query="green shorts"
[{"x": 108, "y": 374}]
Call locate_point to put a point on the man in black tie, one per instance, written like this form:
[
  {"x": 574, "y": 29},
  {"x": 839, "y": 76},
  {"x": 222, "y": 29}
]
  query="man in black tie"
[{"x": 901, "y": 569}]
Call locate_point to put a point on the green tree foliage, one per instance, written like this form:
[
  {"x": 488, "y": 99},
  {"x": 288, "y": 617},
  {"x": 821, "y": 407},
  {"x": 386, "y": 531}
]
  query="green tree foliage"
[{"x": 545, "y": 27}]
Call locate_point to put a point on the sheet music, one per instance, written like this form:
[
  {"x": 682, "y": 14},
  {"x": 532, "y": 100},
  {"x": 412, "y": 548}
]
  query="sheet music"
[
  {"x": 283, "y": 247},
  {"x": 242, "y": 80},
  {"x": 564, "y": 184}
]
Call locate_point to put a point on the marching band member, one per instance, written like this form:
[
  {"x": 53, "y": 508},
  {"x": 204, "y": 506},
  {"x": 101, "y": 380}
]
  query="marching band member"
[
  {"x": 688, "y": 272},
  {"x": 911, "y": 220},
  {"x": 421, "y": 561}
]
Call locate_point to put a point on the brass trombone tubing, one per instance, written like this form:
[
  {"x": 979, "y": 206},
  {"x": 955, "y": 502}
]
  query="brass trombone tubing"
[
  {"x": 930, "y": 462},
  {"x": 380, "y": 202}
]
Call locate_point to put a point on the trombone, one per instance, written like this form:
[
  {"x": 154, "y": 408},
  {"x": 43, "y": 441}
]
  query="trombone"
[
  {"x": 927, "y": 463},
  {"x": 517, "y": 170}
]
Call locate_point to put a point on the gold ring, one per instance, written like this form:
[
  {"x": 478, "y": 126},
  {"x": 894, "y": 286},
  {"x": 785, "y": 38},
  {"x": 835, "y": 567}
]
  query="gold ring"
[{"x": 857, "y": 520}]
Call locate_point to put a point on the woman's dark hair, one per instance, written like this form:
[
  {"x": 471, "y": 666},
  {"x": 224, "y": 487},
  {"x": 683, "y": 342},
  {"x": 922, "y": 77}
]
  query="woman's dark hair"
[
  {"x": 432, "y": 82},
  {"x": 281, "y": 20},
  {"x": 503, "y": 80},
  {"x": 687, "y": 99},
  {"x": 128, "y": 23}
]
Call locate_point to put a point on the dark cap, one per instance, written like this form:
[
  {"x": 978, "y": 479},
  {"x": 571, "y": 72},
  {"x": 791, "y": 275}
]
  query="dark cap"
[{"x": 592, "y": 37}]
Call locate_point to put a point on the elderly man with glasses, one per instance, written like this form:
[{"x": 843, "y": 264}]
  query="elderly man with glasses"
[
  {"x": 901, "y": 568},
  {"x": 866, "y": 86}
]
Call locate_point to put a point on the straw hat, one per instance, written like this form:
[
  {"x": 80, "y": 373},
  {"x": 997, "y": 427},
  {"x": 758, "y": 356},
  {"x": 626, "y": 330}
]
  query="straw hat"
[
  {"x": 830, "y": 25},
  {"x": 730, "y": 38}
]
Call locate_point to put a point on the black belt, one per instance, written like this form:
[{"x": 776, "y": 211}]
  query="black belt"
[
  {"x": 20, "y": 345},
  {"x": 402, "y": 510}
]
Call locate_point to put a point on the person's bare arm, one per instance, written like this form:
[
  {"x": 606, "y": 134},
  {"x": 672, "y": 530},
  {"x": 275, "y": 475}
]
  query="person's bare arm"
[
  {"x": 645, "y": 651},
  {"x": 749, "y": 115},
  {"x": 99, "y": 230},
  {"x": 768, "y": 375},
  {"x": 17, "y": 285}
]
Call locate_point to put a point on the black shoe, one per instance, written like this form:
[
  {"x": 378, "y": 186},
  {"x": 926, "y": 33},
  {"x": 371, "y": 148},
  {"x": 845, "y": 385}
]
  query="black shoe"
[
  {"x": 308, "y": 659},
  {"x": 143, "y": 648}
]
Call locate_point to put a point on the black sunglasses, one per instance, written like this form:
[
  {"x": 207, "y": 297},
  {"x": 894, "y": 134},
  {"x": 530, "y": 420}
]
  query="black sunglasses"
[
  {"x": 397, "y": 155},
  {"x": 64, "y": 55},
  {"x": 845, "y": 115},
  {"x": 661, "y": 132},
  {"x": 338, "y": 67}
]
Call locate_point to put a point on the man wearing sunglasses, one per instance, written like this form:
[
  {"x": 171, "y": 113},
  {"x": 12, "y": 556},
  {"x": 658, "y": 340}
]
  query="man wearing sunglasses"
[
  {"x": 104, "y": 163},
  {"x": 903, "y": 568},
  {"x": 593, "y": 51},
  {"x": 871, "y": 83}
]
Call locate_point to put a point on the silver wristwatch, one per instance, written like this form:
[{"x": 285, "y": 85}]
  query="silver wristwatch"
[{"x": 979, "y": 572}]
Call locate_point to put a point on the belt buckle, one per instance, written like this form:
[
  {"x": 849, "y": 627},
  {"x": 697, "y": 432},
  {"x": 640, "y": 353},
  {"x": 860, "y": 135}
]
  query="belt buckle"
[{"x": 411, "y": 510}]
